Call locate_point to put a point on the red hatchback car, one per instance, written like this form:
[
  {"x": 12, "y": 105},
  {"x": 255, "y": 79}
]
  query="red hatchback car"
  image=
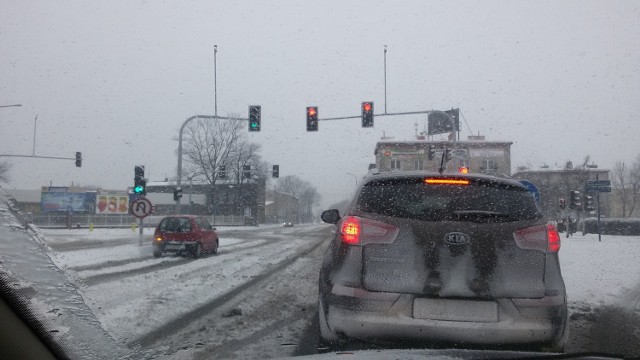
[{"x": 185, "y": 234}]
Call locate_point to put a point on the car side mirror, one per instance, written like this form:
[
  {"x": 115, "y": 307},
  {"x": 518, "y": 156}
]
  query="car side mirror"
[{"x": 330, "y": 216}]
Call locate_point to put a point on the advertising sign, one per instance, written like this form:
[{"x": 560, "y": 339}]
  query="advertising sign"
[
  {"x": 67, "y": 201},
  {"x": 112, "y": 204}
]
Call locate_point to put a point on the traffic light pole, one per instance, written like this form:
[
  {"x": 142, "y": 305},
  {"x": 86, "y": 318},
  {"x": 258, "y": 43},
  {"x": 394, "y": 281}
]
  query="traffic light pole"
[
  {"x": 38, "y": 157},
  {"x": 453, "y": 122},
  {"x": 599, "y": 229}
]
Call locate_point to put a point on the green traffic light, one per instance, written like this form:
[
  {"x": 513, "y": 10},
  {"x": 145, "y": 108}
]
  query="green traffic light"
[
  {"x": 138, "y": 189},
  {"x": 254, "y": 125}
]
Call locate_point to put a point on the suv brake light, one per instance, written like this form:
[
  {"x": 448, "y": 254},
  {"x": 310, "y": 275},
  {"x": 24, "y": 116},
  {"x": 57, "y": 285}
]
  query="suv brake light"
[
  {"x": 445, "y": 181},
  {"x": 350, "y": 230},
  {"x": 540, "y": 237},
  {"x": 361, "y": 231}
]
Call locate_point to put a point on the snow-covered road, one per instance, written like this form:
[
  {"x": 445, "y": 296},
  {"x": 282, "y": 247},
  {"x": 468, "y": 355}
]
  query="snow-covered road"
[{"x": 257, "y": 296}]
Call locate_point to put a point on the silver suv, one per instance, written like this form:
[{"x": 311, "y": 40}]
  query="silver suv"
[{"x": 467, "y": 259}]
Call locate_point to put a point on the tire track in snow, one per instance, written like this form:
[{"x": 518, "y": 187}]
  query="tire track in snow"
[
  {"x": 117, "y": 275},
  {"x": 116, "y": 263},
  {"x": 93, "y": 244},
  {"x": 173, "y": 326}
]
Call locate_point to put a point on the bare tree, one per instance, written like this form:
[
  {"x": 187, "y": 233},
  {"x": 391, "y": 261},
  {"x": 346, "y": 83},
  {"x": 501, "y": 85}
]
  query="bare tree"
[
  {"x": 291, "y": 185},
  {"x": 5, "y": 167},
  {"x": 244, "y": 153},
  {"x": 634, "y": 182},
  {"x": 621, "y": 179},
  {"x": 208, "y": 145},
  {"x": 306, "y": 193},
  {"x": 309, "y": 198}
]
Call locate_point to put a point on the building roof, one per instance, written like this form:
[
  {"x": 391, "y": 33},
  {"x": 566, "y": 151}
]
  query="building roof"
[
  {"x": 461, "y": 142},
  {"x": 550, "y": 171}
]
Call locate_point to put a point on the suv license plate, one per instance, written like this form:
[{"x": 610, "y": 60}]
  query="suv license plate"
[
  {"x": 174, "y": 247},
  {"x": 455, "y": 310}
]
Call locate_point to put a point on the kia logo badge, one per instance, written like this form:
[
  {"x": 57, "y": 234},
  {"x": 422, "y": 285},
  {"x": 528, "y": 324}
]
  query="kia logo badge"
[{"x": 457, "y": 238}]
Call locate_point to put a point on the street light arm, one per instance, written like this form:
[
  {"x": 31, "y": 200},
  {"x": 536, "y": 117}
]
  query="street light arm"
[{"x": 354, "y": 178}]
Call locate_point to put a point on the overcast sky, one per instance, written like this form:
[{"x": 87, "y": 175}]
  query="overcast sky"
[{"x": 116, "y": 79}]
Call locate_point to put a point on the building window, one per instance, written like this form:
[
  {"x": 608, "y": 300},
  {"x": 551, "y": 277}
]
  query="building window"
[
  {"x": 418, "y": 164},
  {"x": 489, "y": 164},
  {"x": 395, "y": 164}
]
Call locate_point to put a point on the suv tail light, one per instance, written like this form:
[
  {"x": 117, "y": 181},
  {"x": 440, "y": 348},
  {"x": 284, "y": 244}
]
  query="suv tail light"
[
  {"x": 355, "y": 230},
  {"x": 540, "y": 237}
]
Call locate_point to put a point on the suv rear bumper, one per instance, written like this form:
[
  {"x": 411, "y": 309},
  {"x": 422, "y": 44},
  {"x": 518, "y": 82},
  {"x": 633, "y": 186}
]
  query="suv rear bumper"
[{"x": 391, "y": 317}]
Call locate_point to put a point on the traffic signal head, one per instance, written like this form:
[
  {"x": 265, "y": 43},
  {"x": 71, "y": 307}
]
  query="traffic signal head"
[
  {"x": 276, "y": 171},
  {"x": 432, "y": 152},
  {"x": 254, "y": 117},
  {"x": 561, "y": 203},
  {"x": 367, "y": 114},
  {"x": 312, "y": 118},
  {"x": 463, "y": 170},
  {"x": 222, "y": 172},
  {"x": 177, "y": 193},
  {"x": 246, "y": 171},
  {"x": 588, "y": 203},
  {"x": 574, "y": 199},
  {"x": 447, "y": 154},
  {"x": 78, "y": 159},
  {"x": 139, "y": 183}
]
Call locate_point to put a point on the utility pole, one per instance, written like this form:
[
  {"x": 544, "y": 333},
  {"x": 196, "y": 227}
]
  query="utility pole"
[
  {"x": 215, "y": 79},
  {"x": 35, "y": 125},
  {"x": 385, "y": 79}
]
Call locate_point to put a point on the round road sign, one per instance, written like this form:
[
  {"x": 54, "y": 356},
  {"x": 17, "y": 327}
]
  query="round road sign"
[{"x": 141, "y": 208}]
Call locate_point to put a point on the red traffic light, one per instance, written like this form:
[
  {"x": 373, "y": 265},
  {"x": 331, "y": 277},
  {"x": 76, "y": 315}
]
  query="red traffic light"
[
  {"x": 366, "y": 106},
  {"x": 463, "y": 170},
  {"x": 311, "y": 111}
]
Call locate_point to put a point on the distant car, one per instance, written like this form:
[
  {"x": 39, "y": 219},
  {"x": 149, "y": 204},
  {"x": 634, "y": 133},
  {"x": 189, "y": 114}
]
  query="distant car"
[
  {"x": 185, "y": 234},
  {"x": 287, "y": 224},
  {"x": 453, "y": 258}
]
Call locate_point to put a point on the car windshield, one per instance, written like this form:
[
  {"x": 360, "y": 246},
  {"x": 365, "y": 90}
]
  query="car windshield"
[
  {"x": 248, "y": 179},
  {"x": 413, "y": 199},
  {"x": 175, "y": 225}
]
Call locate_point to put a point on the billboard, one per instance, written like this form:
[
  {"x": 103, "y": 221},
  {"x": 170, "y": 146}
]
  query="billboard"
[
  {"x": 439, "y": 123},
  {"x": 112, "y": 204},
  {"x": 62, "y": 201}
]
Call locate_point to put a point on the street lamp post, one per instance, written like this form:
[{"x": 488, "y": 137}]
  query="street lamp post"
[
  {"x": 385, "y": 79},
  {"x": 215, "y": 79}
]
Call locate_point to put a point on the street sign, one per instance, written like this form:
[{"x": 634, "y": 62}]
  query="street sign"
[
  {"x": 141, "y": 208},
  {"x": 533, "y": 189},
  {"x": 597, "y": 186}
]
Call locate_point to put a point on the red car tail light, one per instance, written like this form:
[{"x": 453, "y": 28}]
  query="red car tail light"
[
  {"x": 540, "y": 237},
  {"x": 361, "y": 231}
]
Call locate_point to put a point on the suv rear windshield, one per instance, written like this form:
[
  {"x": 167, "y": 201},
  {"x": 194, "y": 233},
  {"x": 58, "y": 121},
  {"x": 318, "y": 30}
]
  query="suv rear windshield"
[
  {"x": 480, "y": 201},
  {"x": 175, "y": 225}
]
